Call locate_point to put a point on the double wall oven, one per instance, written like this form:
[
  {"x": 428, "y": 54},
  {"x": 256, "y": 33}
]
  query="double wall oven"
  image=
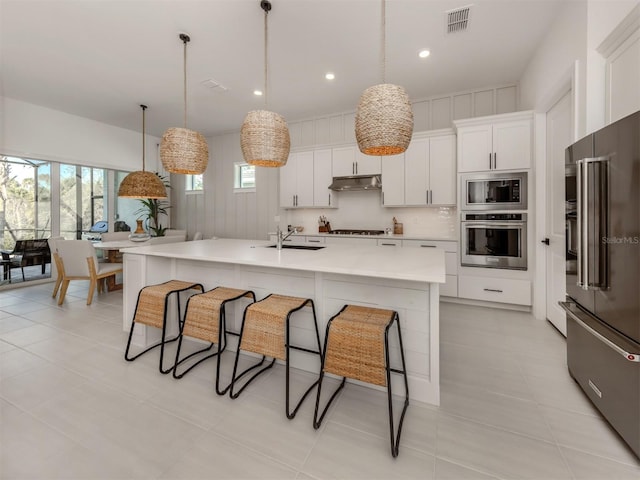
[{"x": 493, "y": 220}]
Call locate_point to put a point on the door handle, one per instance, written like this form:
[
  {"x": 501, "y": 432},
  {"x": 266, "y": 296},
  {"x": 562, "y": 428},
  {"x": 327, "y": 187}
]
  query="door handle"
[{"x": 545, "y": 241}]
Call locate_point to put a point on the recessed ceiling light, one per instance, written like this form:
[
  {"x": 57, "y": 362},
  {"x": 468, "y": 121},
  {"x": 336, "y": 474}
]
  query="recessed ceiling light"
[
  {"x": 258, "y": 93},
  {"x": 329, "y": 76},
  {"x": 424, "y": 53}
]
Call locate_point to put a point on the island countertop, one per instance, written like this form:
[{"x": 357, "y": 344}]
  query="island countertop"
[{"x": 422, "y": 265}]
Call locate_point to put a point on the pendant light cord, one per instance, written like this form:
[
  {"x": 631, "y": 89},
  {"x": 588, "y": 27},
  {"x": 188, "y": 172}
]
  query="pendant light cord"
[
  {"x": 383, "y": 53},
  {"x": 185, "y": 40},
  {"x": 266, "y": 63},
  {"x": 144, "y": 107}
]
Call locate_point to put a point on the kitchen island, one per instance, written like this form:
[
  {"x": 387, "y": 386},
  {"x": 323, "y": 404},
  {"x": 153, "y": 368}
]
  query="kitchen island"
[{"x": 405, "y": 280}]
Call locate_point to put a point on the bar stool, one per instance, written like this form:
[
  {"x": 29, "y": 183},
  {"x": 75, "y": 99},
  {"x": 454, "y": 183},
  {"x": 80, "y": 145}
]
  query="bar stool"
[
  {"x": 151, "y": 310},
  {"x": 357, "y": 346},
  {"x": 205, "y": 319},
  {"x": 265, "y": 331}
]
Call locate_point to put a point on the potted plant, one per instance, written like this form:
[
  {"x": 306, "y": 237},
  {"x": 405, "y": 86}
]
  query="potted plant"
[{"x": 152, "y": 209}]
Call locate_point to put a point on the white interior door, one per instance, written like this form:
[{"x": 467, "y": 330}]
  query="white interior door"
[{"x": 558, "y": 139}]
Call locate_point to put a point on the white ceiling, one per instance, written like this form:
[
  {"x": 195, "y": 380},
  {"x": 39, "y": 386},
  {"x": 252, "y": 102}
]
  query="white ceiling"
[{"x": 102, "y": 58}]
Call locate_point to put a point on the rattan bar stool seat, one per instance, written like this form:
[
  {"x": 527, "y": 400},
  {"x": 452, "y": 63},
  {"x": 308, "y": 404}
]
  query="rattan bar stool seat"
[
  {"x": 357, "y": 347},
  {"x": 151, "y": 310},
  {"x": 265, "y": 331},
  {"x": 205, "y": 319}
]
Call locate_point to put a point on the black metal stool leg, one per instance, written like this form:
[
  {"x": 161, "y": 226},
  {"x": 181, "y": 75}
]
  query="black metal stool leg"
[
  {"x": 292, "y": 414},
  {"x": 395, "y": 443}
]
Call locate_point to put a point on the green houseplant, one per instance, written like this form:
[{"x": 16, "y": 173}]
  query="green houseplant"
[{"x": 152, "y": 209}]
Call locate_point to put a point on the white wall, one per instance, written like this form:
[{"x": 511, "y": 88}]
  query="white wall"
[
  {"x": 221, "y": 212},
  {"x": 37, "y": 132},
  {"x": 554, "y": 59}
]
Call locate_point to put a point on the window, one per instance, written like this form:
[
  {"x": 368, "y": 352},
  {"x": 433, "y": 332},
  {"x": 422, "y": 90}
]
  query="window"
[
  {"x": 244, "y": 177},
  {"x": 194, "y": 183}
]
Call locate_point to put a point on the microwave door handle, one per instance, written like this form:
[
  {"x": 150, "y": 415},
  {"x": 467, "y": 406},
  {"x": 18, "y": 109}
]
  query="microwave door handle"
[{"x": 493, "y": 224}]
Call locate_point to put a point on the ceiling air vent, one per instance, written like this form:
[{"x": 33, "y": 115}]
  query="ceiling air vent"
[
  {"x": 458, "y": 19},
  {"x": 214, "y": 85}
]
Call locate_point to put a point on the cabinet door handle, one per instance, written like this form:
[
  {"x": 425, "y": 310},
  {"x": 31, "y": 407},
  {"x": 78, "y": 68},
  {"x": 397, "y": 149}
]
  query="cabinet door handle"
[
  {"x": 495, "y": 160},
  {"x": 313, "y": 241},
  {"x": 329, "y": 199},
  {"x": 427, "y": 194},
  {"x": 431, "y": 197},
  {"x": 490, "y": 161},
  {"x": 428, "y": 246},
  {"x": 383, "y": 198},
  {"x": 388, "y": 244},
  {"x": 493, "y": 290}
]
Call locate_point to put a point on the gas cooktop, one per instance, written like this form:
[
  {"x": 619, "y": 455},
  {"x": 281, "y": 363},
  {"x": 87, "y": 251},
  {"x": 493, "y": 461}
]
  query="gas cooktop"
[{"x": 355, "y": 231}]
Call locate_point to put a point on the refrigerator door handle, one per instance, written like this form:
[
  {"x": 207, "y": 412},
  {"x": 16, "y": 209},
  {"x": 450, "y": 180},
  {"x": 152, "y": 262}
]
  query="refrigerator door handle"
[
  {"x": 586, "y": 276},
  {"x": 632, "y": 357},
  {"x": 579, "y": 211}
]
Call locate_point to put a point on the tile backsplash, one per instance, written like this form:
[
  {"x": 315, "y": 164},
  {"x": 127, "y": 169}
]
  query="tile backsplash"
[{"x": 363, "y": 210}]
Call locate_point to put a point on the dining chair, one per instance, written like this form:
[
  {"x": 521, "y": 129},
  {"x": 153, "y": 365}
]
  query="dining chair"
[
  {"x": 55, "y": 264},
  {"x": 78, "y": 261}
]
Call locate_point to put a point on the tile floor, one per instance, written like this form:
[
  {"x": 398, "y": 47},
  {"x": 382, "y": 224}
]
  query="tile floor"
[{"x": 71, "y": 407}]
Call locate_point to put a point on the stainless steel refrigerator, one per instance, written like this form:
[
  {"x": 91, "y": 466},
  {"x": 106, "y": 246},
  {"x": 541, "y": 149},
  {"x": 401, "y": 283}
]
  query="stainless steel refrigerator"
[{"x": 602, "y": 179}]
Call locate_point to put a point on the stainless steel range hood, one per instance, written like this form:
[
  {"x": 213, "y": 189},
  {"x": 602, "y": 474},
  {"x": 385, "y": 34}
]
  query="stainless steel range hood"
[{"x": 356, "y": 182}]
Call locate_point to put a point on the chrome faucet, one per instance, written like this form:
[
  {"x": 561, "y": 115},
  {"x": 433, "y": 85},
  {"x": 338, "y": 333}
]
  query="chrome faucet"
[{"x": 281, "y": 237}]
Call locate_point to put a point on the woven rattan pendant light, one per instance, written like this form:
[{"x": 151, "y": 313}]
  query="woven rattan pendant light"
[
  {"x": 142, "y": 184},
  {"x": 183, "y": 150},
  {"x": 264, "y": 136},
  {"x": 384, "y": 119}
]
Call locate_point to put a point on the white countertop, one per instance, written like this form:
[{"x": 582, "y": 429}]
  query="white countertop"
[
  {"x": 415, "y": 264},
  {"x": 377, "y": 237}
]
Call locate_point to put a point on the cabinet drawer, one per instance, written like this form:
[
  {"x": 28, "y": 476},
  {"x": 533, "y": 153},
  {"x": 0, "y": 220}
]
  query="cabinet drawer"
[
  {"x": 315, "y": 239},
  {"x": 450, "y": 287},
  {"x": 389, "y": 243},
  {"x": 447, "y": 246},
  {"x": 503, "y": 290}
]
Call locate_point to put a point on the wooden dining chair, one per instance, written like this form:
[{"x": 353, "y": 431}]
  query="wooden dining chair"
[
  {"x": 55, "y": 264},
  {"x": 78, "y": 261}
]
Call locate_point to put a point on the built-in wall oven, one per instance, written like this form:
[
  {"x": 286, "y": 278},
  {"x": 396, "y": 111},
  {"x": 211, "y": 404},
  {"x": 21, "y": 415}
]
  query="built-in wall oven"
[
  {"x": 494, "y": 191},
  {"x": 494, "y": 240}
]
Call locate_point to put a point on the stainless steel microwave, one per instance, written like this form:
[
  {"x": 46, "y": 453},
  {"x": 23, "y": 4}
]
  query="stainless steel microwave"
[{"x": 494, "y": 191}]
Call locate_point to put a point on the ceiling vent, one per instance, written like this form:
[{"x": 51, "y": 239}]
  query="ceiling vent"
[
  {"x": 458, "y": 19},
  {"x": 215, "y": 86}
]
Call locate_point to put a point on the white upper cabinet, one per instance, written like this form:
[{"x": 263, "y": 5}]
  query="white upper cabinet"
[
  {"x": 499, "y": 142},
  {"x": 426, "y": 176},
  {"x": 442, "y": 170},
  {"x": 349, "y": 161},
  {"x": 393, "y": 188},
  {"x": 305, "y": 179},
  {"x": 296, "y": 180},
  {"x": 322, "y": 178}
]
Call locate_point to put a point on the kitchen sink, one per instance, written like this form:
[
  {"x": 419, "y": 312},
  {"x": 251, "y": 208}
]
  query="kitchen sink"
[{"x": 298, "y": 247}]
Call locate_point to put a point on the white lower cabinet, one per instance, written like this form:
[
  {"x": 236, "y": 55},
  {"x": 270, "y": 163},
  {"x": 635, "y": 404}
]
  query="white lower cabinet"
[
  {"x": 450, "y": 287},
  {"x": 503, "y": 290}
]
